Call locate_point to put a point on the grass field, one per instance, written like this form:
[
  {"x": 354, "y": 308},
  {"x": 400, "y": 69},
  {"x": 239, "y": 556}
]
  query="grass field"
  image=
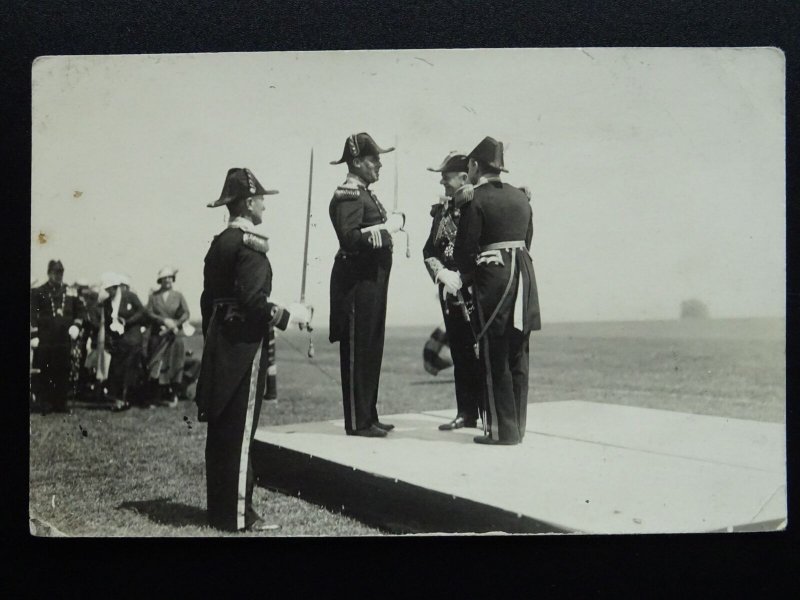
[{"x": 141, "y": 472}]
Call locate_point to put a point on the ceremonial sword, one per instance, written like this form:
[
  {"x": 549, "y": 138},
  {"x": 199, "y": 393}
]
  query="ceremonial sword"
[
  {"x": 396, "y": 201},
  {"x": 305, "y": 257}
]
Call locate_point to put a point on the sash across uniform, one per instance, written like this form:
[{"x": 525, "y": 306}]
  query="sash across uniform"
[{"x": 491, "y": 252}]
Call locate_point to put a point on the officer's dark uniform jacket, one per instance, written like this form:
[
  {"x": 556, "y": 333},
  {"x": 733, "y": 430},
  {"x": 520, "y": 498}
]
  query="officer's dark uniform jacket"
[
  {"x": 358, "y": 293},
  {"x": 439, "y": 247},
  {"x": 362, "y": 252},
  {"x": 54, "y": 308},
  {"x": 236, "y": 312},
  {"x": 492, "y": 252},
  {"x": 499, "y": 213},
  {"x": 438, "y": 254}
]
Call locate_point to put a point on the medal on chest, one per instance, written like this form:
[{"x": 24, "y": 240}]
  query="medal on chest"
[{"x": 57, "y": 308}]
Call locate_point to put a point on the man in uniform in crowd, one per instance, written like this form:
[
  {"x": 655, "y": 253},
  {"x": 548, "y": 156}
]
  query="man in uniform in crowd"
[
  {"x": 455, "y": 300},
  {"x": 236, "y": 312},
  {"x": 359, "y": 283},
  {"x": 492, "y": 253},
  {"x": 56, "y": 316}
]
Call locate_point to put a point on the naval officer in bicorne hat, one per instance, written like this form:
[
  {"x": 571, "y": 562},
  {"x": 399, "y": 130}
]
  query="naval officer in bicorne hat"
[
  {"x": 456, "y": 302},
  {"x": 236, "y": 311},
  {"x": 492, "y": 252},
  {"x": 359, "y": 283}
]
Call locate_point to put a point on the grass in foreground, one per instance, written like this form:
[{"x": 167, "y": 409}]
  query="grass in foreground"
[{"x": 142, "y": 472}]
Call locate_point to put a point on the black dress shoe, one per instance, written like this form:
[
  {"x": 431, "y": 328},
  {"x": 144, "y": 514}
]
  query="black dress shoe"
[
  {"x": 458, "y": 423},
  {"x": 485, "y": 439},
  {"x": 384, "y": 426},
  {"x": 370, "y": 431},
  {"x": 261, "y": 525}
]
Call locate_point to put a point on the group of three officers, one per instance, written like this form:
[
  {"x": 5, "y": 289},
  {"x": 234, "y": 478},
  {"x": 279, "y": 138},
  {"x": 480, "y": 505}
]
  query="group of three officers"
[{"x": 477, "y": 253}]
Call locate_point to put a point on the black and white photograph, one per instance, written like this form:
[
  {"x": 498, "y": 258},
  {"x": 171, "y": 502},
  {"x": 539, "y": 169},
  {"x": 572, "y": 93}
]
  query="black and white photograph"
[{"x": 397, "y": 292}]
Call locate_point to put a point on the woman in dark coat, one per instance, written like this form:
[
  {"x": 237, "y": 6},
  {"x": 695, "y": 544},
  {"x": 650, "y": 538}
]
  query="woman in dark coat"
[{"x": 123, "y": 318}]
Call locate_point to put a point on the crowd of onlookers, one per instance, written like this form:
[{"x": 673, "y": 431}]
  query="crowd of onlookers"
[{"x": 102, "y": 344}]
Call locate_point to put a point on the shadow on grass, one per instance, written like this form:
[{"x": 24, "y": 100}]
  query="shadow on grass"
[{"x": 165, "y": 512}]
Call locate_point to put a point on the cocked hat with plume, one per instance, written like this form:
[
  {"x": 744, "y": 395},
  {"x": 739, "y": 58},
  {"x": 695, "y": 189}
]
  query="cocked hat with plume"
[
  {"x": 240, "y": 183},
  {"x": 358, "y": 145}
]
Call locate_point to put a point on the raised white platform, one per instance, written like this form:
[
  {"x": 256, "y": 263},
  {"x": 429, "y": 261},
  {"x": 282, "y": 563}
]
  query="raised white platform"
[{"x": 583, "y": 467}]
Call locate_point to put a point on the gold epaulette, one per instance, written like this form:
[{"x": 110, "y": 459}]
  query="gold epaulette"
[
  {"x": 346, "y": 193},
  {"x": 256, "y": 242}
]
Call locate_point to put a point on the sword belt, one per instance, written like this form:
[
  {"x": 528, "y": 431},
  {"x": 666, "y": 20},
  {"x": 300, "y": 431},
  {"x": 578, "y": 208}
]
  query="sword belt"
[
  {"x": 231, "y": 307},
  {"x": 504, "y": 245},
  {"x": 491, "y": 254}
]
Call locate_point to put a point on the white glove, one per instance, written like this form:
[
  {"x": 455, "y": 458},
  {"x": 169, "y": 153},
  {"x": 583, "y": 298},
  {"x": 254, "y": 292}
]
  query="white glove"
[
  {"x": 450, "y": 279},
  {"x": 73, "y": 332},
  {"x": 395, "y": 222},
  {"x": 117, "y": 326},
  {"x": 299, "y": 314},
  {"x": 35, "y": 342}
]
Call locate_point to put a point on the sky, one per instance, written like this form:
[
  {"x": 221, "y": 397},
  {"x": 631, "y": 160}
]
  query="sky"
[{"x": 657, "y": 174}]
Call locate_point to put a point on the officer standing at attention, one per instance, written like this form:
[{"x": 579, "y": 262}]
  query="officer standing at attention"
[
  {"x": 236, "y": 312},
  {"x": 492, "y": 252},
  {"x": 56, "y": 316},
  {"x": 457, "y": 305},
  {"x": 359, "y": 283}
]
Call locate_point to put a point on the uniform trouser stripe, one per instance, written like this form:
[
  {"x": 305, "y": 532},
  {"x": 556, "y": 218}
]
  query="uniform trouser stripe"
[
  {"x": 245, "y": 451},
  {"x": 352, "y": 348},
  {"x": 487, "y": 364}
]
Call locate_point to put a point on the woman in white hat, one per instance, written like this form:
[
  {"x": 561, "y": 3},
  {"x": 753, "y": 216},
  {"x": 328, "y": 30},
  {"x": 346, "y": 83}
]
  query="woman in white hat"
[
  {"x": 123, "y": 320},
  {"x": 168, "y": 312}
]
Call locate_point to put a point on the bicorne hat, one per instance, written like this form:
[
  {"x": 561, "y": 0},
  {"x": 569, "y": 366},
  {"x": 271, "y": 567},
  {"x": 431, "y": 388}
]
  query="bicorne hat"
[
  {"x": 454, "y": 162},
  {"x": 490, "y": 152},
  {"x": 239, "y": 184},
  {"x": 360, "y": 144}
]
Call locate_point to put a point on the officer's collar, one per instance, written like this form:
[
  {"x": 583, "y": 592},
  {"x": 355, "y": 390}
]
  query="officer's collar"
[
  {"x": 354, "y": 180},
  {"x": 241, "y": 223},
  {"x": 483, "y": 180}
]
